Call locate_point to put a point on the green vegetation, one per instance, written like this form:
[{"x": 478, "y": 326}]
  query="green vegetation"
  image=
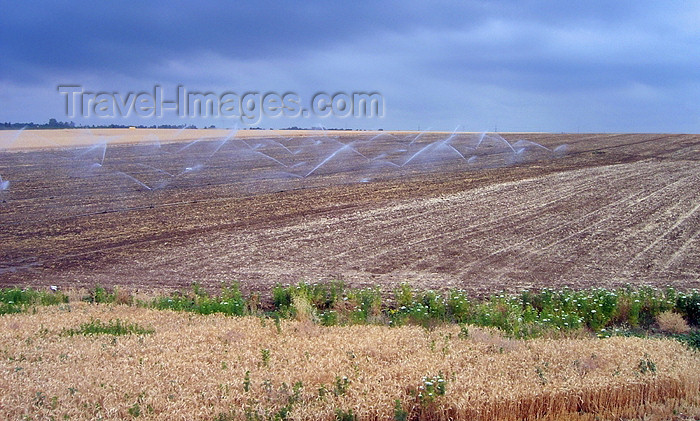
[
  {"x": 230, "y": 301},
  {"x": 113, "y": 327},
  {"x": 16, "y": 300},
  {"x": 624, "y": 311}
]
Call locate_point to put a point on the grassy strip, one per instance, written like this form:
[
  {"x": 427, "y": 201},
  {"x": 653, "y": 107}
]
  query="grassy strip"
[
  {"x": 16, "y": 300},
  {"x": 529, "y": 314},
  {"x": 113, "y": 327}
]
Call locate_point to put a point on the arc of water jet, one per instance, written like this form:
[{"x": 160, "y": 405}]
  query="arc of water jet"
[
  {"x": 481, "y": 139},
  {"x": 458, "y": 152},
  {"x": 104, "y": 153},
  {"x": 139, "y": 182},
  {"x": 499, "y": 137},
  {"x": 380, "y": 135},
  {"x": 531, "y": 143},
  {"x": 182, "y": 129},
  {"x": 156, "y": 169},
  {"x": 14, "y": 138},
  {"x": 284, "y": 147},
  {"x": 454, "y": 133},
  {"x": 190, "y": 145},
  {"x": 223, "y": 142},
  {"x": 329, "y": 158},
  {"x": 271, "y": 158},
  {"x": 418, "y": 136},
  {"x": 102, "y": 145},
  {"x": 349, "y": 145},
  {"x": 291, "y": 174},
  {"x": 436, "y": 144},
  {"x": 423, "y": 149},
  {"x": 323, "y": 129},
  {"x": 391, "y": 163}
]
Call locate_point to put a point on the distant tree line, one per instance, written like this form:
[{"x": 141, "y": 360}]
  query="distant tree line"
[{"x": 55, "y": 124}]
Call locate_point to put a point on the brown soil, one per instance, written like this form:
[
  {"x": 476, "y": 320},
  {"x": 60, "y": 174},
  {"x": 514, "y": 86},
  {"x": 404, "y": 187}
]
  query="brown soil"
[{"x": 617, "y": 209}]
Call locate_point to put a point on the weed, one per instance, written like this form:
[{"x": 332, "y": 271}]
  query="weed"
[
  {"x": 328, "y": 318},
  {"x": 16, "y": 300},
  {"x": 281, "y": 297},
  {"x": 341, "y": 385},
  {"x": 463, "y": 332},
  {"x": 113, "y": 327},
  {"x": 341, "y": 415},
  {"x": 99, "y": 295},
  {"x": 265, "y": 357},
  {"x": 672, "y": 322},
  {"x": 278, "y": 324},
  {"x": 431, "y": 388},
  {"x": 135, "y": 410},
  {"x": 541, "y": 374},
  {"x": 282, "y": 414},
  {"x": 646, "y": 365},
  {"x": 689, "y": 306},
  {"x": 246, "y": 381},
  {"x": 400, "y": 414},
  {"x": 403, "y": 295},
  {"x": 367, "y": 305},
  {"x": 691, "y": 339}
]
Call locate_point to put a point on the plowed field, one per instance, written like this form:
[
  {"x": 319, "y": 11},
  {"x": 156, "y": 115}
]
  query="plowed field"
[{"x": 613, "y": 209}]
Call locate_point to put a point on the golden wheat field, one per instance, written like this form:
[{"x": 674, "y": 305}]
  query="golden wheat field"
[{"x": 196, "y": 367}]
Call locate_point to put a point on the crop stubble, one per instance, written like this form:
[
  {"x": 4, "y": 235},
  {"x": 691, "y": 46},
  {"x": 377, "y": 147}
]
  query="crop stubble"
[{"x": 617, "y": 209}]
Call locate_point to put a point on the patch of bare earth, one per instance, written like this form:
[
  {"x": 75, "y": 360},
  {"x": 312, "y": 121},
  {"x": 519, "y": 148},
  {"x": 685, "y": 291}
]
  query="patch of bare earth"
[{"x": 617, "y": 209}]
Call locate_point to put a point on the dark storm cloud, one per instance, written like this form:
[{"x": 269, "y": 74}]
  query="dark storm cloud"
[
  {"x": 118, "y": 37},
  {"x": 114, "y": 37},
  {"x": 436, "y": 62}
]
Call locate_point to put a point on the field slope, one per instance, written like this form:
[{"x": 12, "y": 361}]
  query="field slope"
[{"x": 615, "y": 209}]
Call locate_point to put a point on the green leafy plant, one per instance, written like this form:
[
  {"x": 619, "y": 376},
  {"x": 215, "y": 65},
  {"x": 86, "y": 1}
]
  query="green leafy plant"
[
  {"x": 646, "y": 365},
  {"x": 431, "y": 388},
  {"x": 265, "y": 353},
  {"x": 114, "y": 327},
  {"x": 400, "y": 414},
  {"x": 341, "y": 385},
  {"x": 341, "y": 415},
  {"x": 246, "y": 381}
]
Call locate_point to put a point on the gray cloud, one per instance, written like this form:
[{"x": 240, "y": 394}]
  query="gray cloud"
[{"x": 520, "y": 64}]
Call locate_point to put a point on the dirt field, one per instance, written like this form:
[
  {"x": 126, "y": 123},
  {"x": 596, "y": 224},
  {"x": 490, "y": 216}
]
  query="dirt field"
[{"x": 613, "y": 209}]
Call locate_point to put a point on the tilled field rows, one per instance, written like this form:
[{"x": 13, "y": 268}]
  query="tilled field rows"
[
  {"x": 617, "y": 209},
  {"x": 609, "y": 225}
]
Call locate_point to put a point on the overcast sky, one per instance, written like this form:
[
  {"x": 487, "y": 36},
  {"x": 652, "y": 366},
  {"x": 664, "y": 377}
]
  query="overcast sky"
[{"x": 589, "y": 66}]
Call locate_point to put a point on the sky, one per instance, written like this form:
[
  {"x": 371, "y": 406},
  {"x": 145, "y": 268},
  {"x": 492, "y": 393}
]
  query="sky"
[{"x": 554, "y": 66}]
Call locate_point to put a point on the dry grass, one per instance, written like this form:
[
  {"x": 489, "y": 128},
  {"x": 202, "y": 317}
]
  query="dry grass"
[
  {"x": 672, "y": 322},
  {"x": 194, "y": 367}
]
